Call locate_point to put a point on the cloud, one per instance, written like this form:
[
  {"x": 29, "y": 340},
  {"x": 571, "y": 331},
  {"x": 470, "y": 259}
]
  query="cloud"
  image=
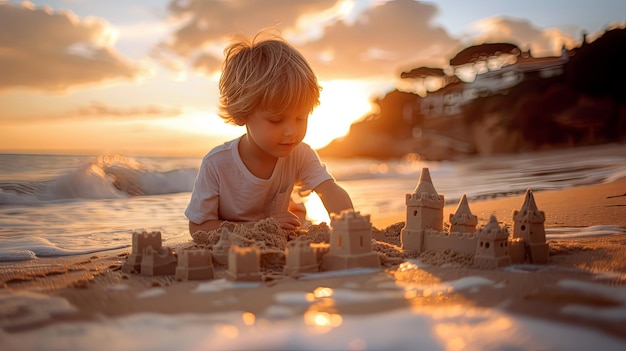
[
  {"x": 383, "y": 40},
  {"x": 541, "y": 42},
  {"x": 375, "y": 40},
  {"x": 100, "y": 109},
  {"x": 209, "y": 21},
  {"x": 97, "y": 110},
  {"x": 42, "y": 49}
]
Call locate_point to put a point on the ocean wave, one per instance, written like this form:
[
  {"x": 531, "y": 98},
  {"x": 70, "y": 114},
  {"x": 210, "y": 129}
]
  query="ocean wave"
[
  {"x": 103, "y": 177},
  {"x": 583, "y": 232},
  {"x": 17, "y": 255},
  {"x": 33, "y": 247}
]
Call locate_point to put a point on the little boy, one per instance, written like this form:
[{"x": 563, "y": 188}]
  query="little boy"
[{"x": 269, "y": 87}]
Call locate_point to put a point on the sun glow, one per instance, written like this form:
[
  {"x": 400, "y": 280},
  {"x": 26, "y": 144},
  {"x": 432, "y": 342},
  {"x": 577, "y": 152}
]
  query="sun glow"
[
  {"x": 202, "y": 123},
  {"x": 341, "y": 103},
  {"x": 315, "y": 210}
]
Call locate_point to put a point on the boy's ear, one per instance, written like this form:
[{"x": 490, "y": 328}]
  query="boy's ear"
[{"x": 240, "y": 121}]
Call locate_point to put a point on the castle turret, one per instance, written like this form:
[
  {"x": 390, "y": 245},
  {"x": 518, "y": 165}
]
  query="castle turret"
[
  {"x": 492, "y": 249},
  {"x": 194, "y": 265},
  {"x": 528, "y": 226},
  {"x": 350, "y": 242},
  {"x": 300, "y": 258},
  {"x": 222, "y": 247},
  {"x": 463, "y": 221},
  {"x": 244, "y": 263},
  {"x": 162, "y": 261},
  {"x": 141, "y": 241},
  {"x": 424, "y": 210}
]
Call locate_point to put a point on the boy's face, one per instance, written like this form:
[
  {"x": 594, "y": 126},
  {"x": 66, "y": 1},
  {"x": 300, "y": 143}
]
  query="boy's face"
[{"x": 277, "y": 134}]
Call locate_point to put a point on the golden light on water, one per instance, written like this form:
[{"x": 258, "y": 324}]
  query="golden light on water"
[
  {"x": 321, "y": 315},
  {"x": 248, "y": 318},
  {"x": 228, "y": 331},
  {"x": 322, "y": 292},
  {"x": 458, "y": 336},
  {"x": 322, "y": 322}
]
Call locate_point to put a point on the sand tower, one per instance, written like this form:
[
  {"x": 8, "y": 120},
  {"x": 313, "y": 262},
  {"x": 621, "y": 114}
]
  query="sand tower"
[
  {"x": 158, "y": 262},
  {"x": 194, "y": 265},
  {"x": 528, "y": 225},
  {"x": 222, "y": 247},
  {"x": 492, "y": 246},
  {"x": 300, "y": 258},
  {"x": 141, "y": 241},
  {"x": 244, "y": 263},
  {"x": 350, "y": 242},
  {"x": 424, "y": 210},
  {"x": 462, "y": 220}
]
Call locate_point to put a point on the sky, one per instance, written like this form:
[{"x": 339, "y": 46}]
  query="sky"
[{"x": 141, "y": 77}]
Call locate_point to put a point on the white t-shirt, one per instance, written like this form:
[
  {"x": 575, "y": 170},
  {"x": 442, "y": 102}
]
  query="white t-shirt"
[{"x": 226, "y": 190}]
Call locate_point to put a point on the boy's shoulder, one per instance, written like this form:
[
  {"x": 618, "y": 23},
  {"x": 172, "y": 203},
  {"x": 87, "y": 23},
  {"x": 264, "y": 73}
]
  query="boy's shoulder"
[{"x": 223, "y": 150}]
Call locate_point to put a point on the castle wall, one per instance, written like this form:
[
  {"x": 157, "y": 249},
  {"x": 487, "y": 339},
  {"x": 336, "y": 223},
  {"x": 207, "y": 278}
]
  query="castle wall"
[
  {"x": 194, "y": 265},
  {"x": 300, "y": 257},
  {"x": 464, "y": 243},
  {"x": 412, "y": 240},
  {"x": 517, "y": 251}
]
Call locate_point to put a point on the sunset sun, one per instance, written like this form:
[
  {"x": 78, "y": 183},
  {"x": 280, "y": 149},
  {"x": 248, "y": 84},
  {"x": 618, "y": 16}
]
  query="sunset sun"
[{"x": 341, "y": 103}]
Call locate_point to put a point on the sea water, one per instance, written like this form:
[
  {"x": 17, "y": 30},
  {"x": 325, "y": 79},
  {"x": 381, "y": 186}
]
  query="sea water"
[{"x": 58, "y": 205}]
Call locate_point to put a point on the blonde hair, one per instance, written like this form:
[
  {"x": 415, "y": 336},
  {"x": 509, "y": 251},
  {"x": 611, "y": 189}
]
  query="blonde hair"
[{"x": 264, "y": 73}]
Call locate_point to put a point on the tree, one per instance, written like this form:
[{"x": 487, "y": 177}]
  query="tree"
[{"x": 598, "y": 69}]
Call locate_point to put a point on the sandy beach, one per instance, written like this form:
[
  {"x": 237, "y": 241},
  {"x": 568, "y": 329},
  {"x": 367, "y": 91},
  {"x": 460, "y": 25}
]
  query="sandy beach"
[{"x": 582, "y": 286}]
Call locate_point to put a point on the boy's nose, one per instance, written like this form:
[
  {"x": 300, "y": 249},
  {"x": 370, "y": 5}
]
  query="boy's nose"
[{"x": 290, "y": 129}]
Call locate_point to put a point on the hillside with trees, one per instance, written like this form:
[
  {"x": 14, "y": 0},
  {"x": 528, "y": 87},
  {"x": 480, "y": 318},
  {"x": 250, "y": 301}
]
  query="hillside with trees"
[{"x": 583, "y": 103}]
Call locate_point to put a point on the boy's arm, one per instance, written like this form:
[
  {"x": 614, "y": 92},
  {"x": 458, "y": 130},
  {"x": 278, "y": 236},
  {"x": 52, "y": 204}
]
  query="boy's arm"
[
  {"x": 334, "y": 197},
  {"x": 206, "y": 226}
]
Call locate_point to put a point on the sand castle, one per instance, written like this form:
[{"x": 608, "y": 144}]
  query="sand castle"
[
  {"x": 244, "y": 263},
  {"x": 350, "y": 242},
  {"x": 194, "y": 265},
  {"x": 141, "y": 241},
  {"x": 162, "y": 261},
  {"x": 303, "y": 257},
  {"x": 350, "y": 246},
  {"x": 491, "y": 245},
  {"x": 222, "y": 248}
]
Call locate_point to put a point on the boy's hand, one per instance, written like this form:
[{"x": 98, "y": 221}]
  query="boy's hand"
[{"x": 287, "y": 220}]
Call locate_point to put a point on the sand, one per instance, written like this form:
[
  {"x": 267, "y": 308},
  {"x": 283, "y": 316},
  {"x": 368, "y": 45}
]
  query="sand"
[{"x": 584, "y": 284}]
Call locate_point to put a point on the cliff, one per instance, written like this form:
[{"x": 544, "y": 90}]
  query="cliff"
[{"x": 572, "y": 100}]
